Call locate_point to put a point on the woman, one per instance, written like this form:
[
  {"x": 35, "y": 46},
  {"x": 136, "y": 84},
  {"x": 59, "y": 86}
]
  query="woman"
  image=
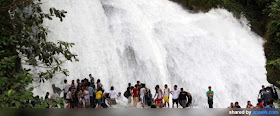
[
  {"x": 135, "y": 95},
  {"x": 47, "y": 96},
  {"x": 112, "y": 95},
  {"x": 81, "y": 98},
  {"x": 98, "y": 97},
  {"x": 142, "y": 95},
  {"x": 159, "y": 96},
  {"x": 87, "y": 98}
]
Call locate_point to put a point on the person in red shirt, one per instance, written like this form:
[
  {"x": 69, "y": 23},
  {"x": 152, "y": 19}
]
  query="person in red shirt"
[
  {"x": 259, "y": 104},
  {"x": 135, "y": 96}
]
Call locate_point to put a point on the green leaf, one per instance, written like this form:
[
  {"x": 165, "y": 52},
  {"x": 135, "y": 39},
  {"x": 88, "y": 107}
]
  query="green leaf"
[{"x": 10, "y": 92}]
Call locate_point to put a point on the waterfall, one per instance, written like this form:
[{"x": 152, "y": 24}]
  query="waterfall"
[{"x": 158, "y": 42}]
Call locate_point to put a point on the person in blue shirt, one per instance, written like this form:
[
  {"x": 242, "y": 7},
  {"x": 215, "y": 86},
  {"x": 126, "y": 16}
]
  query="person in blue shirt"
[
  {"x": 268, "y": 105},
  {"x": 91, "y": 97}
]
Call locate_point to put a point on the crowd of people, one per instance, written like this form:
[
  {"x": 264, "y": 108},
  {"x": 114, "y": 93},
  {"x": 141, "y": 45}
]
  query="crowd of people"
[
  {"x": 266, "y": 97},
  {"x": 90, "y": 94},
  {"x": 140, "y": 93}
]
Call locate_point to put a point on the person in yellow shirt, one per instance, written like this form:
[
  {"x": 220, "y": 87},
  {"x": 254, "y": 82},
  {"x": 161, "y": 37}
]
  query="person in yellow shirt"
[{"x": 98, "y": 97}]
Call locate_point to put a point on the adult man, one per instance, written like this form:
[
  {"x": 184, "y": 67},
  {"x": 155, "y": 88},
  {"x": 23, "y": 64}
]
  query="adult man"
[
  {"x": 210, "y": 95},
  {"x": 128, "y": 93},
  {"x": 175, "y": 94},
  {"x": 261, "y": 92},
  {"x": 65, "y": 88},
  {"x": 166, "y": 95},
  {"x": 138, "y": 85},
  {"x": 77, "y": 85},
  {"x": 183, "y": 98},
  {"x": 91, "y": 79},
  {"x": 56, "y": 89},
  {"x": 236, "y": 105},
  {"x": 91, "y": 93},
  {"x": 265, "y": 96}
]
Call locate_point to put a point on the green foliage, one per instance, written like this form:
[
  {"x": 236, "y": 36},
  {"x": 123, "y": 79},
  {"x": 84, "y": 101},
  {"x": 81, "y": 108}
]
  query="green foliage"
[
  {"x": 278, "y": 102},
  {"x": 274, "y": 25},
  {"x": 274, "y": 63},
  {"x": 47, "y": 103},
  {"x": 206, "y": 5},
  {"x": 13, "y": 84},
  {"x": 23, "y": 40},
  {"x": 272, "y": 47}
]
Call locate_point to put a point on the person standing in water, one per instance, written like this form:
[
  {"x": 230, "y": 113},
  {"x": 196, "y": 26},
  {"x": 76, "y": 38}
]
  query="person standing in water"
[
  {"x": 261, "y": 92},
  {"x": 65, "y": 88},
  {"x": 112, "y": 95},
  {"x": 98, "y": 97},
  {"x": 91, "y": 79},
  {"x": 166, "y": 95},
  {"x": 175, "y": 95},
  {"x": 210, "y": 95},
  {"x": 86, "y": 93},
  {"x": 142, "y": 95},
  {"x": 91, "y": 94},
  {"x": 129, "y": 93},
  {"x": 135, "y": 95},
  {"x": 183, "y": 98},
  {"x": 159, "y": 96}
]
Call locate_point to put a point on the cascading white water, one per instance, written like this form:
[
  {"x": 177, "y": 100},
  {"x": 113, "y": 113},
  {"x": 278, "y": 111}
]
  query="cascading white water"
[{"x": 158, "y": 42}]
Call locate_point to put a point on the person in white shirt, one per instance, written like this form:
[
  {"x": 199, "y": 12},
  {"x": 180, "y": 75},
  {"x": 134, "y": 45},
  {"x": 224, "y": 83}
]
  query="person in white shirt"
[
  {"x": 54, "y": 96},
  {"x": 112, "y": 95},
  {"x": 87, "y": 98},
  {"x": 65, "y": 88},
  {"x": 142, "y": 94},
  {"x": 175, "y": 94},
  {"x": 119, "y": 96},
  {"x": 68, "y": 98}
]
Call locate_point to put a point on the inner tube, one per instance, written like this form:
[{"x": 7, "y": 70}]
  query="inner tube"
[{"x": 189, "y": 100}]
